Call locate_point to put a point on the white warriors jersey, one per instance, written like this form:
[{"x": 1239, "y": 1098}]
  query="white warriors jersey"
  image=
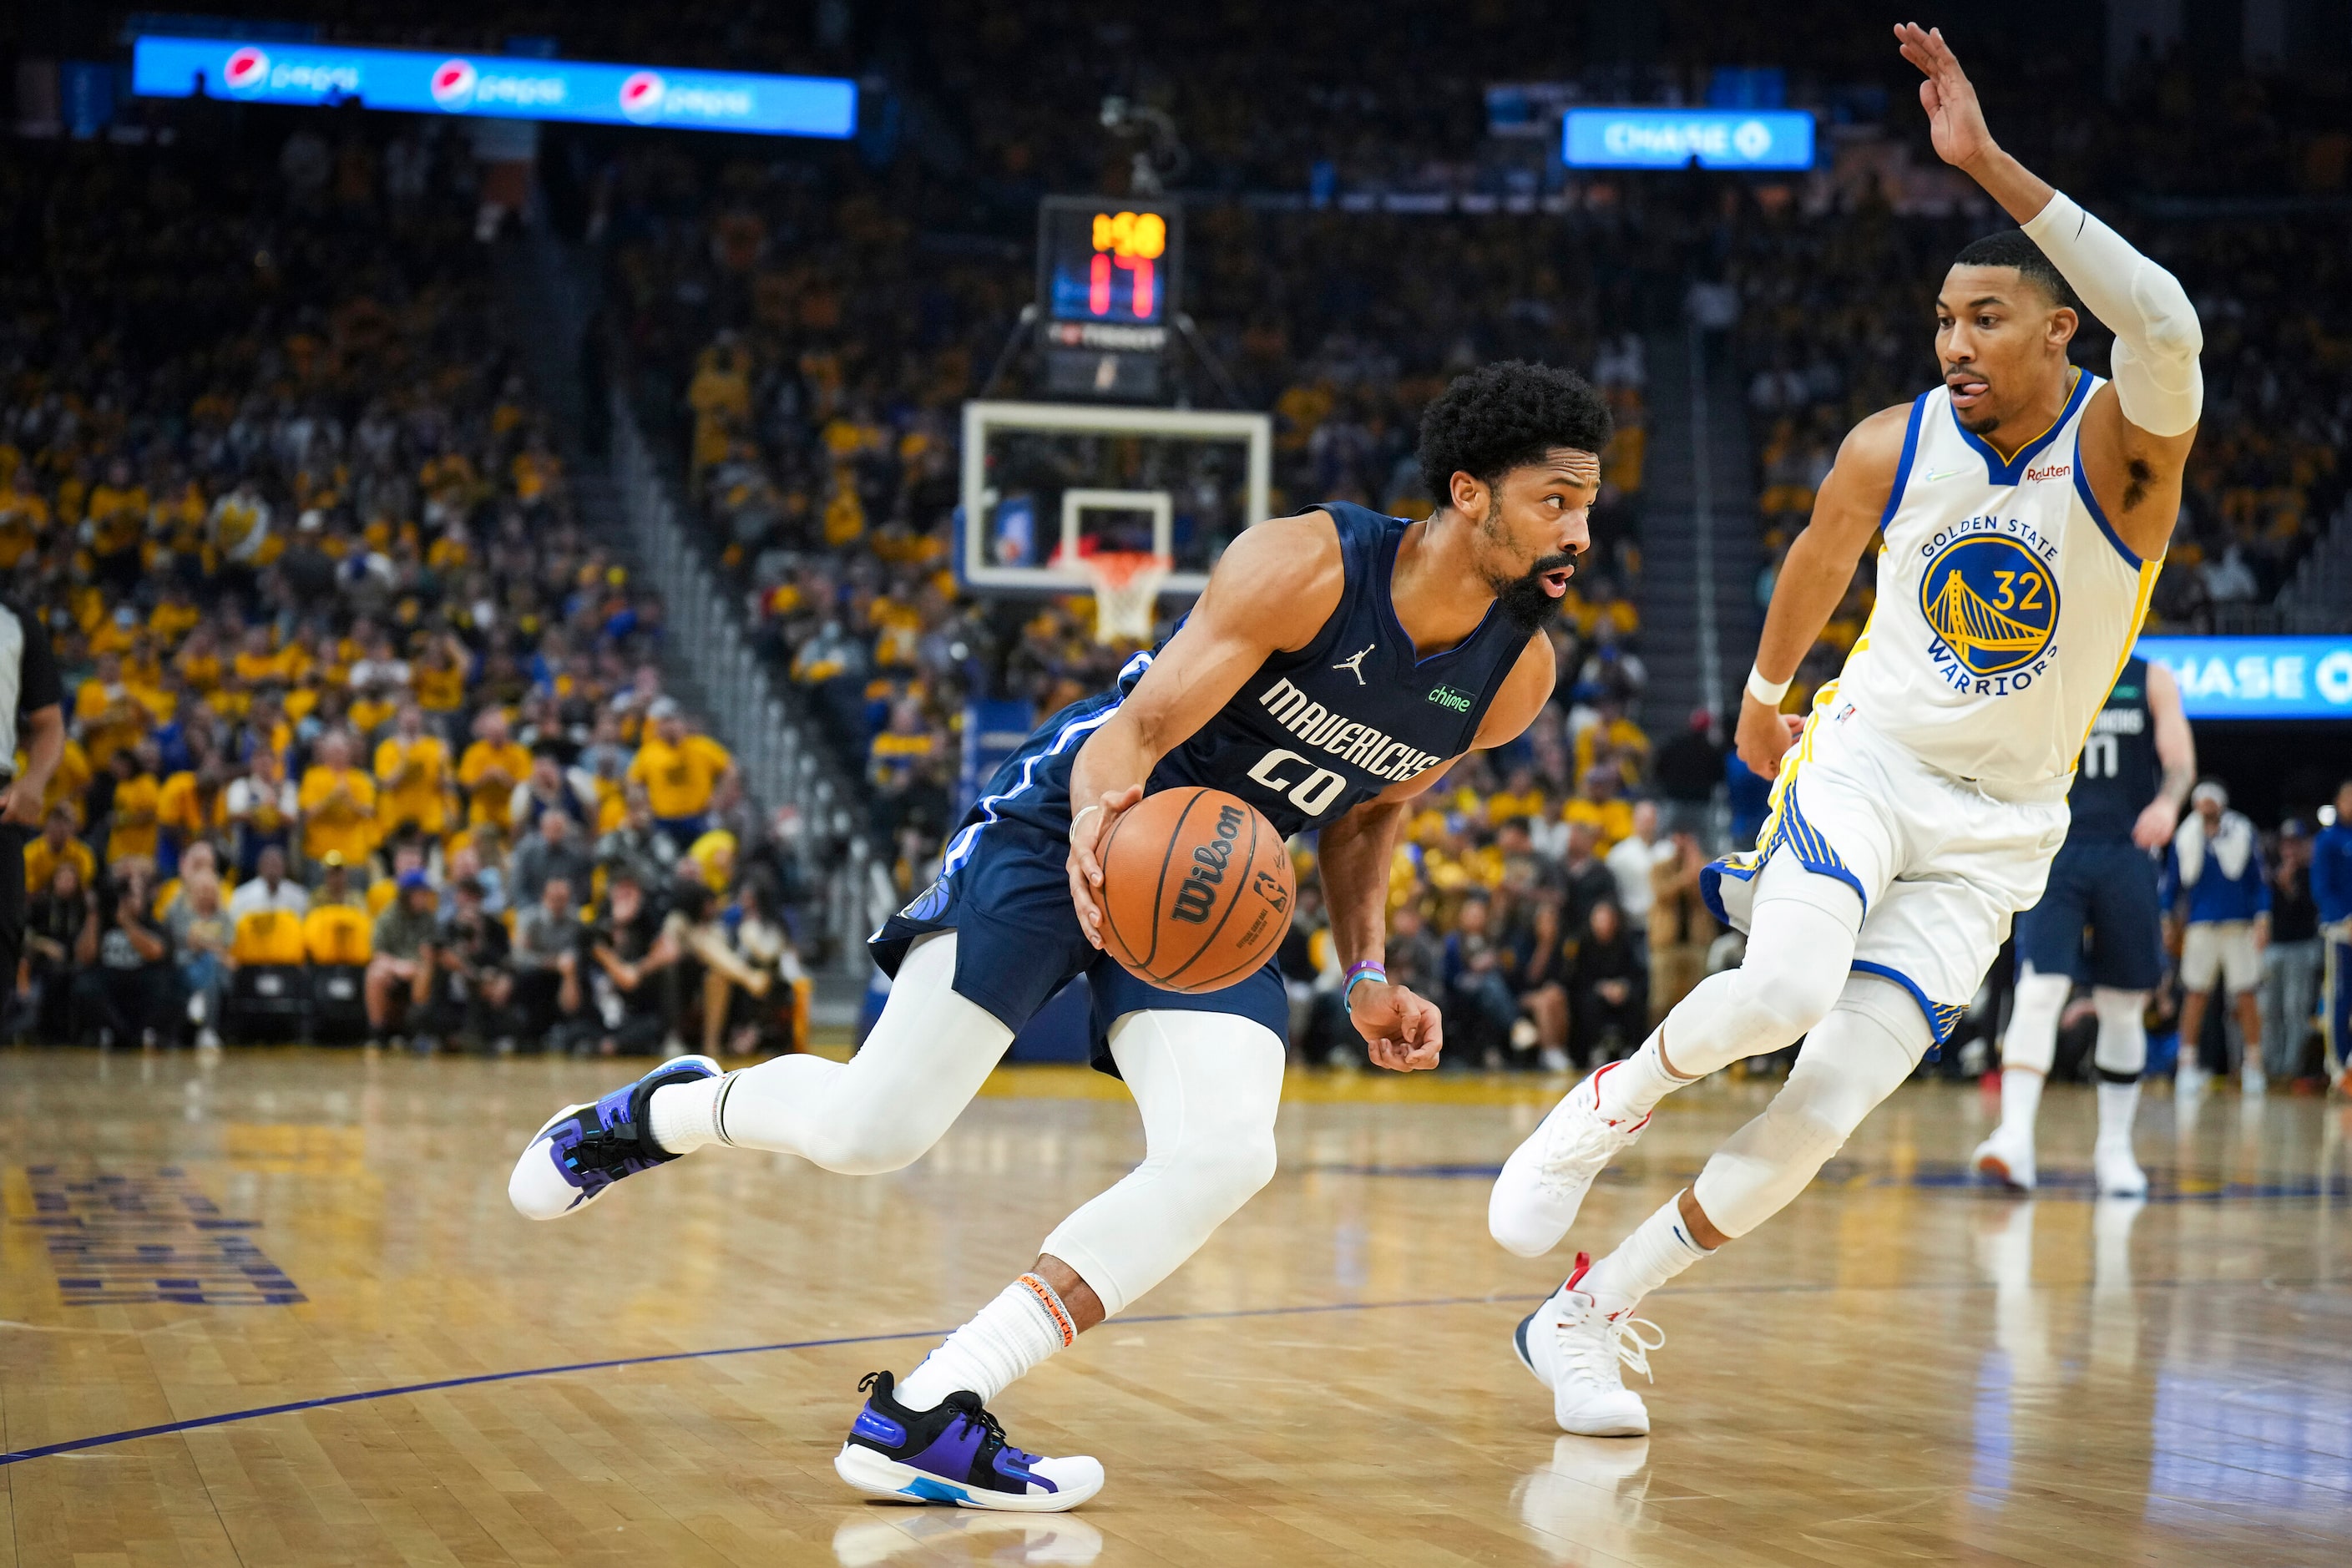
[{"x": 2007, "y": 604}]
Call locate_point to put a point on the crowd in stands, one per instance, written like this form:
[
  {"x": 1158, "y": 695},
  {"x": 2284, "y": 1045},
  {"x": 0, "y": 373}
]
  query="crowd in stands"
[{"x": 366, "y": 734}]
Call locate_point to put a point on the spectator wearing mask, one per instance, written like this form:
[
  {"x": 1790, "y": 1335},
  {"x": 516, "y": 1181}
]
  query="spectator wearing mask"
[
  {"x": 201, "y": 936},
  {"x": 2213, "y": 875},
  {"x": 2291, "y": 963},
  {"x": 1605, "y": 988},
  {"x": 400, "y": 972}
]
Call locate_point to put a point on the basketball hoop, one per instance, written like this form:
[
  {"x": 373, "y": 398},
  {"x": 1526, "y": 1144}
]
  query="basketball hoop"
[{"x": 1127, "y": 588}]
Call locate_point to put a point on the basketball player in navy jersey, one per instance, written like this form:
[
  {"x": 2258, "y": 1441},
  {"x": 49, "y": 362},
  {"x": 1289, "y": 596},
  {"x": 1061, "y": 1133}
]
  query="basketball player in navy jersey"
[
  {"x": 2135, "y": 772},
  {"x": 1338, "y": 662}
]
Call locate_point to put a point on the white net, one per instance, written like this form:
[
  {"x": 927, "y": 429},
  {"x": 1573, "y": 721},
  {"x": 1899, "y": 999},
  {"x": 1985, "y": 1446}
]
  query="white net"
[{"x": 1127, "y": 590}]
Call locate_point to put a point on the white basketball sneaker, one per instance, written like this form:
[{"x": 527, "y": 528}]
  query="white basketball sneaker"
[
  {"x": 1544, "y": 1182},
  {"x": 2007, "y": 1157},
  {"x": 1574, "y": 1348},
  {"x": 2115, "y": 1172}
]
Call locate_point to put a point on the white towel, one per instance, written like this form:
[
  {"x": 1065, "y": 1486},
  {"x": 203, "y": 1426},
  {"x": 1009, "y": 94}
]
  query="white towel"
[{"x": 2231, "y": 847}]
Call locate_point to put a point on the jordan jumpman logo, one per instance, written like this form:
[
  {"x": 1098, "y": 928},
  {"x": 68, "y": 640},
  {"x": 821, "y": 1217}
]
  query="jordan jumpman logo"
[{"x": 1354, "y": 663}]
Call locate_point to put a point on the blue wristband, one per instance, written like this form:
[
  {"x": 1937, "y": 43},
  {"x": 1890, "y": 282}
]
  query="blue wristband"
[{"x": 1356, "y": 974}]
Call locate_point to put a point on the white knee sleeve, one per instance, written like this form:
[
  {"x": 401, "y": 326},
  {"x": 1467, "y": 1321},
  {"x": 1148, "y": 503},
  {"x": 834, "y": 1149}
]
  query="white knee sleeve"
[
  {"x": 2121, "y": 1054},
  {"x": 883, "y": 1109},
  {"x": 1209, "y": 1086},
  {"x": 1800, "y": 954},
  {"x": 1853, "y": 1058},
  {"x": 2031, "y": 1039}
]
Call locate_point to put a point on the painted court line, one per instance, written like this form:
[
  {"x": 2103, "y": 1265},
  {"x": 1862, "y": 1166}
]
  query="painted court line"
[{"x": 226, "y": 1418}]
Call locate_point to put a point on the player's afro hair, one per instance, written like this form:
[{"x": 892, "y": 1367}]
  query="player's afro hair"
[
  {"x": 1507, "y": 415},
  {"x": 2013, "y": 247}
]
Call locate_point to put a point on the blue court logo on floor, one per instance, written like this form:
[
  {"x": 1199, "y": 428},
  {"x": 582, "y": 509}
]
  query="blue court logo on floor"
[{"x": 1992, "y": 601}]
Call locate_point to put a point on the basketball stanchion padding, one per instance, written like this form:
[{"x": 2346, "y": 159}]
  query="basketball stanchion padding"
[{"x": 1197, "y": 889}]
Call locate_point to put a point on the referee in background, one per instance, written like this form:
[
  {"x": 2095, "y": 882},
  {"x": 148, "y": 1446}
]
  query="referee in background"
[{"x": 31, "y": 701}]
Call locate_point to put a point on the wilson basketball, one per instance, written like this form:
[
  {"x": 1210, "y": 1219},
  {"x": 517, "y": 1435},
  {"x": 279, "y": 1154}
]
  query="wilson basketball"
[{"x": 1197, "y": 889}]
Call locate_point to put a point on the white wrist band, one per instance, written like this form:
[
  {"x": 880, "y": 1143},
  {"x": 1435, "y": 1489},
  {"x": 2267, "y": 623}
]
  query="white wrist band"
[
  {"x": 1767, "y": 692},
  {"x": 1081, "y": 817}
]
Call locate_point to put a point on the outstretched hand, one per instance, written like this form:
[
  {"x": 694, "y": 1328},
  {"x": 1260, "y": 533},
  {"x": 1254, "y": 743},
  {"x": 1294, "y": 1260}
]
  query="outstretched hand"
[
  {"x": 1955, "y": 118},
  {"x": 1403, "y": 1032}
]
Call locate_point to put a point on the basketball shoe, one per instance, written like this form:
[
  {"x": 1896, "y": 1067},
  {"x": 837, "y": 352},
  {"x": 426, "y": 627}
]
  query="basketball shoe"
[
  {"x": 584, "y": 1149},
  {"x": 2007, "y": 1157},
  {"x": 1574, "y": 1348},
  {"x": 1544, "y": 1182},
  {"x": 954, "y": 1453}
]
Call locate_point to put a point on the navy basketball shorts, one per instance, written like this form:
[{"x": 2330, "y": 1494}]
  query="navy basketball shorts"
[
  {"x": 1018, "y": 941},
  {"x": 2109, "y": 887}
]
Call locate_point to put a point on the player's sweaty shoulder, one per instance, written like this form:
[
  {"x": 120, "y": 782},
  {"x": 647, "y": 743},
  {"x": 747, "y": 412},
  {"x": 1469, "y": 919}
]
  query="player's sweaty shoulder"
[{"x": 1283, "y": 578}]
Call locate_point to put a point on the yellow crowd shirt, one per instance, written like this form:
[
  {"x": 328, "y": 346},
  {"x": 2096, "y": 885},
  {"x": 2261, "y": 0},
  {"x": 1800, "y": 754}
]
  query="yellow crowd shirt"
[{"x": 679, "y": 779}]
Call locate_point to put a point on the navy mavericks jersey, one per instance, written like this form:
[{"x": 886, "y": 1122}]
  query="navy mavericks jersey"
[
  {"x": 1311, "y": 733},
  {"x": 2117, "y": 773}
]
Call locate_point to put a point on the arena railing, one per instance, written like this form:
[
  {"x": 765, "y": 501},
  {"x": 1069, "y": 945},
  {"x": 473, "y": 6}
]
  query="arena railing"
[{"x": 779, "y": 754}]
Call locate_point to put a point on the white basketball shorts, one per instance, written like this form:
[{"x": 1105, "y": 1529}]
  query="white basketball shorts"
[
  {"x": 2220, "y": 950},
  {"x": 1941, "y": 867}
]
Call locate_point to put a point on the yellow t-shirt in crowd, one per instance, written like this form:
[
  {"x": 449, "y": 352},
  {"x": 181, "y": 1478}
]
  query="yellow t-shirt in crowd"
[
  {"x": 440, "y": 691},
  {"x": 23, "y": 519},
  {"x": 412, "y": 775},
  {"x": 133, "y": 830},
  {"x": 1612, "y": 819},
  {"x": 679, "y": 779},
  {"x": 182, "y": 809},
  {"x": 332, "y": 823},
  {"x": 488, "y": 800},
  {"x": 109, "y": 720},
  {"x": 41, "y": 863}
]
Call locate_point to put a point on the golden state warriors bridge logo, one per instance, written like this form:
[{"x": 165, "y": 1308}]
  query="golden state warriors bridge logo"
[{"x": 1993, "y": 603}]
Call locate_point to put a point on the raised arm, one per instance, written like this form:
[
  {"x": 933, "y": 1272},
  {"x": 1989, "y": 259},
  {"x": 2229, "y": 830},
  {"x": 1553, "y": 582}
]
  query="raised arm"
[
  {"x": 2138, "y": 429},
  {"x": 1819, "y": 569},
  {"x": 2176, "y": 752},
  {"x": 1272, "y": 591}
]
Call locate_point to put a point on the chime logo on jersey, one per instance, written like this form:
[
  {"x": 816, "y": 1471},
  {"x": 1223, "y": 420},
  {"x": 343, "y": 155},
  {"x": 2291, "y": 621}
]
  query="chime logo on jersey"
[
  {"x": 248, "y": 70},
  {"x": 1993, "y": 603},
  {"x": 453, "y": 84}
]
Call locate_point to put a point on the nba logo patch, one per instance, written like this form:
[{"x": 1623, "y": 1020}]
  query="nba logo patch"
[{"x": 1993, "y": 602}]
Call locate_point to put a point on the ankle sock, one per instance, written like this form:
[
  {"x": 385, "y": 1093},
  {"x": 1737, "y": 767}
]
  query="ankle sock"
[
  {"x": 1023, "y": 1325},
  {"x": 1632, "y": 1088},
  {"x": 1660, "y": 1248},
  {"x": 684, "y": 1116}
]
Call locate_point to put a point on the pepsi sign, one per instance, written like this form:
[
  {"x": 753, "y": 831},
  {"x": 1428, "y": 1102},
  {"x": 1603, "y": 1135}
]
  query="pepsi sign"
[
  {"x": 1672, "y": 137},
  {"x": 499, "y": 86}
]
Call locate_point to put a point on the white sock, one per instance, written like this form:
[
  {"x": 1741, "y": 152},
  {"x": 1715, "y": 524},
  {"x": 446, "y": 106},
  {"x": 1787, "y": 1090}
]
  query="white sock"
[
  {"x": 1023, "y": 1325},
  {"x": 1660, "y": 1248},
  {"x": 2021, "y": 1097},
  {"x": 684, "y": 1116},
  {"x": 1628, "y": 1090},
  {"x": 2119, "y": 1106}
]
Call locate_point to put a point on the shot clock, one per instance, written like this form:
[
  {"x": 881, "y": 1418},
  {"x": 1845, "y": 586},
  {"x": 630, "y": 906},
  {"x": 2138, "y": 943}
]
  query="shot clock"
[{"x": 1108, "y": 271}]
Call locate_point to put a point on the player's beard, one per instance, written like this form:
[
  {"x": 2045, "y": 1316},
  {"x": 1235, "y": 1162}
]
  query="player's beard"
[{"x": 1524, "y": 602}]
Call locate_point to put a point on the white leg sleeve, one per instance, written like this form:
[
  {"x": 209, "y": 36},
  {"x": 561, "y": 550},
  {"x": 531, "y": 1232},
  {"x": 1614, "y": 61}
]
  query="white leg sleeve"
[
  {"x": 2121, "y": 1054},
  {"x": 882, "y": 1108},
  {"x": 2158, "y": 379},
  {"x": 1799, "y": 952},
  {"x": 1209, "y": 1086},
  {"x": 2030, "y": 1041},
  {"x": 1853, "y": 1058}
]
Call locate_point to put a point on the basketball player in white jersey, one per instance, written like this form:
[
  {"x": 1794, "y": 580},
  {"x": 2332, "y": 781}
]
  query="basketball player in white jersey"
[{"x": 2025, "y": 506}]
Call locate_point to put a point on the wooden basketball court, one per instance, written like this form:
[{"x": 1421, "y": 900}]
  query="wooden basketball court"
[{"x": 277, "y": 1312}]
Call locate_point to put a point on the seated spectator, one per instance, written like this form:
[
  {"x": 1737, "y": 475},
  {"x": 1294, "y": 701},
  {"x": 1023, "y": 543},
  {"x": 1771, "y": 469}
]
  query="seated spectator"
[
  {"x": 1585, "y": 876},
  {"x": 60, "y": 936},
  {"x": 202, "y": 935},
  {"x": 634, "y": 950},
  {"x": 57, "y": 847},
  {"x": 550, "y": 850},
  {"x": 412, "y": 777},
  {"x": 400, "y": 972},
  {"x": 1689, "y": 769},
  {"x": 1630, "y": 862},
  {"x": 1606, "y": 989},
  {"x": 124, "y": 983},
  {"x": 1600, "y": 805},
  {"x": 637, "y": 844},
  {"x": 1538, "y": 971},
  {"x": 262, "y": 807},
  {"x": 335, "y": 885},
  {"x": 1681, "y": 927},
  {"x": 545, "y": 959},
  {"x": 683, "y": 773},
  {"x": 1478, "y": 992},
  {"x": 268, "y": 889},
  {"x": 693, "y": 925},
  {"x": 549, "y": 787},
  {"x": 478, "y": 989}
]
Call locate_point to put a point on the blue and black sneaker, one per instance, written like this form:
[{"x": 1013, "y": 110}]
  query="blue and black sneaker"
[
  {"x": 584, "y": 1149},
  {"x": 955, "y": 1454}
]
